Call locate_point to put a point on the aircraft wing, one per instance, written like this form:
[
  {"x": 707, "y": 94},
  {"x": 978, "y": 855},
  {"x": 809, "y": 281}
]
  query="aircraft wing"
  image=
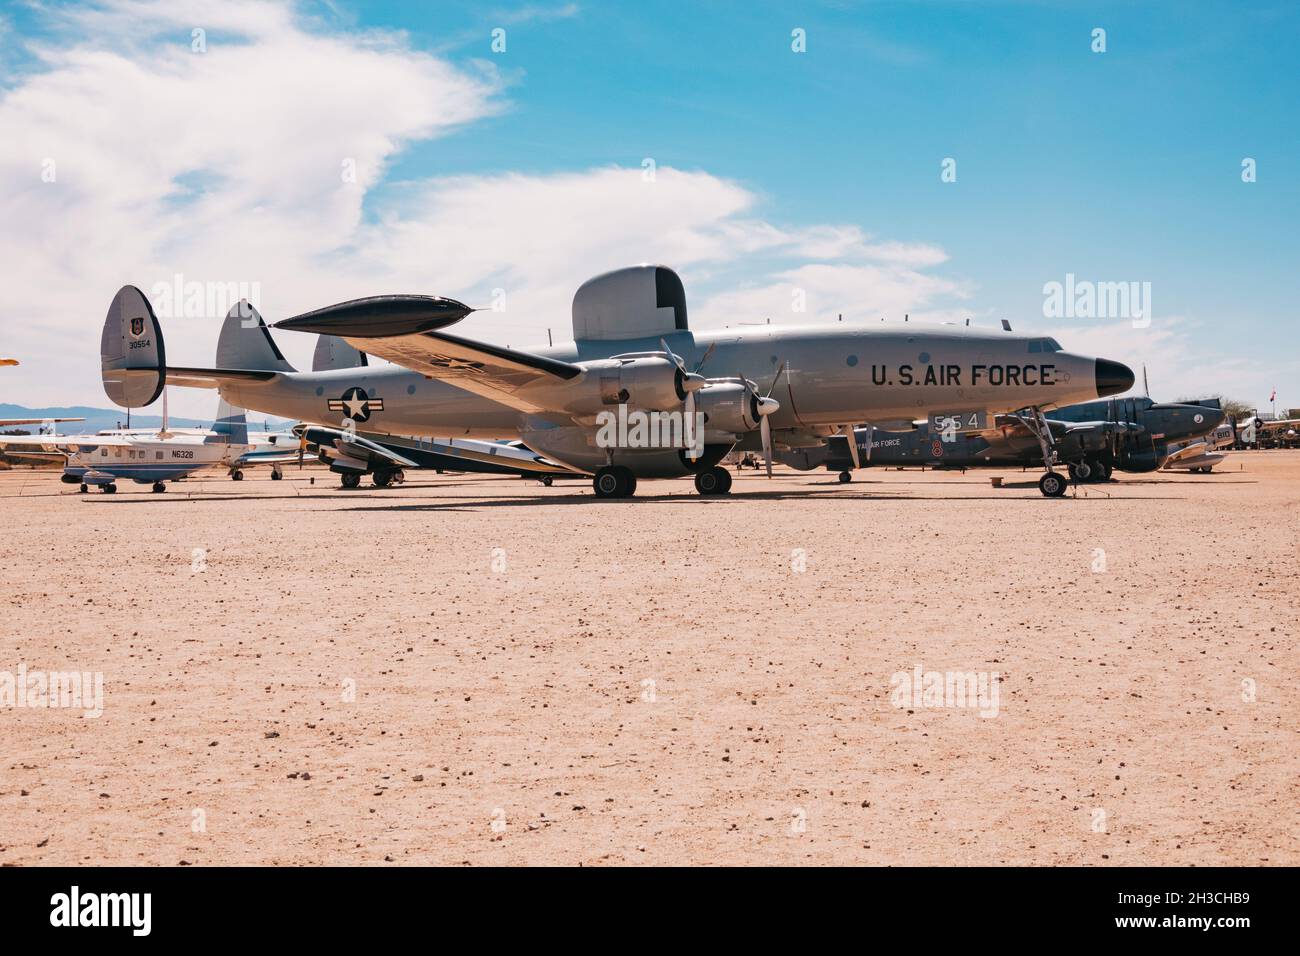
[
  {"x": 11, "y": 422},
  {"x": 1276, "y": 424},
  {"x": 355, "y": 446},
  {"x": 402, "y": 331},
  {"x": 1194, "y": 449},
  {"x": 489, "y": 370}
]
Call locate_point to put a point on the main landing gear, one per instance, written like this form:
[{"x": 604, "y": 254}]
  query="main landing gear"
[
  {"x": 614, "y": 481},
  {"x": 382, "y": 479},
  {"x": 846, "y": 477},
  {"x": 236, "y": 475},
  {"x": 159, "y": 487},
  {"x": 713, "y": 483},
  {"x": 350, "y": 479},
  {"x": 1090, "y": 469}
]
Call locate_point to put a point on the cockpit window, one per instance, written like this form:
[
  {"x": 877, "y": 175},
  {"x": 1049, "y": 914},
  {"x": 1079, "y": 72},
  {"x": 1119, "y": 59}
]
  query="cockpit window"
[{"x": 1044, "y": 345}]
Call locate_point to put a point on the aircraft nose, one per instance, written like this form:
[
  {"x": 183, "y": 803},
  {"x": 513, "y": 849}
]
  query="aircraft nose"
[{"x": 1112, "y": 378}]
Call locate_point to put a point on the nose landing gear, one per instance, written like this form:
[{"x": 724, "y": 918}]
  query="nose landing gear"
[{"x": 1052, "y": 484}]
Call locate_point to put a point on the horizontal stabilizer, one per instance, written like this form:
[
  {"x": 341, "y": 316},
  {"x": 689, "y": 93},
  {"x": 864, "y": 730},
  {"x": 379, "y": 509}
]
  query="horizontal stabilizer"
[
  {"x": 11, "y": 422},
  {"x": 215, "y": 377}
]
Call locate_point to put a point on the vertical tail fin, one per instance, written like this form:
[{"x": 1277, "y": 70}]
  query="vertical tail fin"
[
  {"x": 230, "y": 425},
  {"x": 246, "y": 343},
  {"x": 333, "y": 353},
  {"x": 133, "y": 361}
]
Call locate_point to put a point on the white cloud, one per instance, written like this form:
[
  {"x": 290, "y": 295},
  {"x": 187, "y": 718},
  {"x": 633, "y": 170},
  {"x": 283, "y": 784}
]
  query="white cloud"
[
  {"x": 225, "y": 166},
  {"x": 1177, "y": 364}
]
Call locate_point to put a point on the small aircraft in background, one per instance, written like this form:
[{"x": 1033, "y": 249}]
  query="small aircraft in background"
[
  {"x": 1260, "y": 432},
  {"x": 1091, "y": 439},
  {"x": 153, "y": 456}
]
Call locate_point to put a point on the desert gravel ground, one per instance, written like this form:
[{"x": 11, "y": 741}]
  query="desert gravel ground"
[{"x": 295, "y": 674}]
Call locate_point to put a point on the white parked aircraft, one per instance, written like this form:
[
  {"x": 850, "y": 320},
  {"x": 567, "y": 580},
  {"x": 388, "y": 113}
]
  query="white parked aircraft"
[
  {"x": 1256, "y": 431},
  {"x": 155, "y": 456}
]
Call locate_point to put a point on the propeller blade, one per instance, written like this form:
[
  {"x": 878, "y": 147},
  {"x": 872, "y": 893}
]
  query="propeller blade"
[
  {"x": 765, "y": 429},
  {"x": 705, "y": 357},
  {"x": 695, "y": 440},
  {"x": 775, "y": 378},
  {"x": 673, "y": 357},
  {"x": 852, "y": 439}
]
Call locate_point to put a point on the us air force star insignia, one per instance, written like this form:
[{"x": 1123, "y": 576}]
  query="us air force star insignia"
[
  {"x": 455, "y": 364},
  {"x": 356, "y": 405}
]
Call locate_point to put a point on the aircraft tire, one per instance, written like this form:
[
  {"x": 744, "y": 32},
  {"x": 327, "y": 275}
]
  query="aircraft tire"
[
  {"x": 350, "y": 480},
  {"x": 713, "y": 483},
  {"x": 1081, "y": 470},
  {"x": 608, "y": 482},
  {"x": 399, "y": 477},
  {"x": 236, "y": 475},
  {"x": 547, "y": 480},
  {"x": 277, "y": 476},
  {"x": 382, "y": 479},
  {"x": 1052, "y": 485},
  {"x": 110, "y": 489},
  {"x": 84, "y": 488},
  {"x": 846, "y": 477},
  {"x": 159, "y": 487}
]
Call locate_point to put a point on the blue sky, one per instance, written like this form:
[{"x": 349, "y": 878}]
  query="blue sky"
[
  {"x": 1124, "y": 165},
  {"x": 1115, "y": 166}
]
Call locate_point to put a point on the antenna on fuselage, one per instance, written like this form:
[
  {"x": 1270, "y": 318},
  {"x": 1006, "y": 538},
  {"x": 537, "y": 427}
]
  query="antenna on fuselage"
[{"x": 1006, "y": 326}]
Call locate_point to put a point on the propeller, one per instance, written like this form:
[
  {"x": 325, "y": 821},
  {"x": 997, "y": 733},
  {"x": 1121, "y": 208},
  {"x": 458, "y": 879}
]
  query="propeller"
[
  {"x": 762, "y": 406},
  {"x": 688, "y": 383},
  {"x": 852, "y": 439},
  {"x": 705, "y": 357}
]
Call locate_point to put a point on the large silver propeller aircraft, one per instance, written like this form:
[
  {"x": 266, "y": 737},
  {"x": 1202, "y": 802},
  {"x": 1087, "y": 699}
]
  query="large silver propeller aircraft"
[{"x": 634, "y": 359}]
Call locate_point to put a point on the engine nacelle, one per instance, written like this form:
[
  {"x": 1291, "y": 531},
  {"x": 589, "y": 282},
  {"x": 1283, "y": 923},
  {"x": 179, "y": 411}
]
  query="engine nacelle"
[
  {"x": 727, "y": 407},
  {"x": 651, "y": 383}
]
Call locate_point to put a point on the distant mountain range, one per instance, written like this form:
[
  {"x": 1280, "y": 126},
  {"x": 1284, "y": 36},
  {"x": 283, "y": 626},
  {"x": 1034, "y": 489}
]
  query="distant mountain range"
[{"x": 101, "y": 419}]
